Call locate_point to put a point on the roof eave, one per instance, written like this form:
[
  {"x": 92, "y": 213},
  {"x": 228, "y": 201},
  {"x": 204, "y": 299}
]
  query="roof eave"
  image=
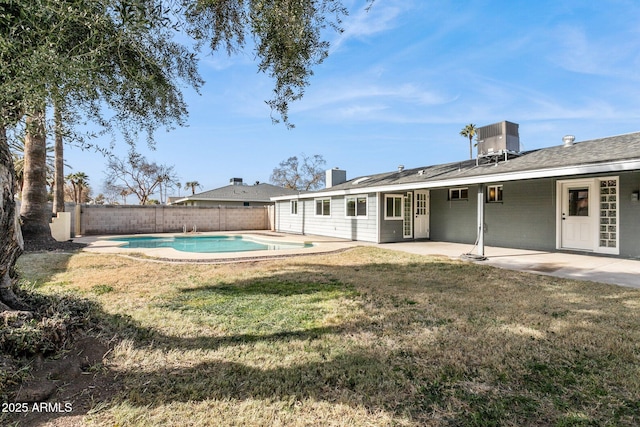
[{"x": 563, "y": 171}]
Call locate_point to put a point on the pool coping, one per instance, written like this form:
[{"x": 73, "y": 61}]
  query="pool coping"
[{"x": 321, "y": 245}]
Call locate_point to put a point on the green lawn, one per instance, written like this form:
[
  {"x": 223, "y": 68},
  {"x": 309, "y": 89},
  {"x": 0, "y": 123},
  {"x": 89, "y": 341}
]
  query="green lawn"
[{"x": 366, "y": 337}]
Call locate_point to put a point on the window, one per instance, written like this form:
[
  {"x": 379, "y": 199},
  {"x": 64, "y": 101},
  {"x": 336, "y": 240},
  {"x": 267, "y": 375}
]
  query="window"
[
  {"x": 459, "y": 194},
  {"x": 579, "y": 202},
  {"x": 245, "y": 204},
  {"x": 323, "y": 207},
  {"x": 494, "y": 193},
  {"x": 356, "y": 206},
  {"x": 393, "y": 207},
  {"x": 294, "y": 207}
]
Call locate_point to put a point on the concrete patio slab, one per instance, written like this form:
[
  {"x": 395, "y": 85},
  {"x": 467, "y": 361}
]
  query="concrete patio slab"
[{"x": 604, "y": 269}]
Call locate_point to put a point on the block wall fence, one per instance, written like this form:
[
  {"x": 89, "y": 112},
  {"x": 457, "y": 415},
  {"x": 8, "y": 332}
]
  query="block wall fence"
[{"x": 131, "y": 219}]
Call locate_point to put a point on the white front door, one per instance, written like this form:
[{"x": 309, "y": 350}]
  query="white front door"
[
  {"x": 421, "y": 223},
  {"x": 578, "y": 215}
]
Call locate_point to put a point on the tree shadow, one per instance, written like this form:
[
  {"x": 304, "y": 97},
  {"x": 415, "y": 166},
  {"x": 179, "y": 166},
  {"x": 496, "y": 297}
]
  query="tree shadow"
[{"x": 401, "y": 380}]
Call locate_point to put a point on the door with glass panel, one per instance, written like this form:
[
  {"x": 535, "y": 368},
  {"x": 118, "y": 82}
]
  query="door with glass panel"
[
  {"x": 421, "y": 221},
  {"x": 578, "y": 216}
]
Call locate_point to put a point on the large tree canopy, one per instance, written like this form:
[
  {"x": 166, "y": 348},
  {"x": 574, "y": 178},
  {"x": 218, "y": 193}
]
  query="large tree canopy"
[
  {"x": 117, "y": 62},
  {"x": 286, "y": 35},
  {"x": 136, "y": 175}
]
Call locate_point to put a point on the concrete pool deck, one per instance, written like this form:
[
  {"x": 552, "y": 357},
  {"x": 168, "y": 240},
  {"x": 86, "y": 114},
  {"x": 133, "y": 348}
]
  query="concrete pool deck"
[{"x": 102, "y": 244}]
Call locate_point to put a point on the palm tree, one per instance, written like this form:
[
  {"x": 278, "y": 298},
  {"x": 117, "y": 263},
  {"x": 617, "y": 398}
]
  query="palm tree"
[
  {"x": 192, "y": 185},
  {"x": 124, "y": 193},
  {"x": 469, "y": 131},
  {"x": 16, "y": 146},
  {"x": 79, "y": 181}
]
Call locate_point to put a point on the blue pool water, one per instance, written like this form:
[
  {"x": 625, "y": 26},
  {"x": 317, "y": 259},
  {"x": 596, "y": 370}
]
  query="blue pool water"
[{"x": 207, "y": 244}]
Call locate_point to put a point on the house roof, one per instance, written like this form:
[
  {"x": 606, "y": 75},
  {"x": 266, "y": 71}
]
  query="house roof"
[
  {"x": 240, "y": 193},
  {"x": 609, "y": 154}
]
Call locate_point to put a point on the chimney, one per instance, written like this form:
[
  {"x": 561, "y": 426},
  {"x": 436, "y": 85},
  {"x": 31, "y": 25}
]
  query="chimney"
[
  {"x": 568, "y": 140},
  {"x": 335, "y": 176},
  {"x": 235, "y": 181}
]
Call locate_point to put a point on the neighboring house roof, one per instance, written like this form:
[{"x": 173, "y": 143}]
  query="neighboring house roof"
[
  {"x": 611, "y": 154},
  {"x": 240, "y": 193}
]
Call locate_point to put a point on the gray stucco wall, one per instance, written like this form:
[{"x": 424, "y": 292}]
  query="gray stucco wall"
[
  {"x": 453, "y": 221},
  {"x": 629, "y": 232},
  {"x": 524, "y": 219}
]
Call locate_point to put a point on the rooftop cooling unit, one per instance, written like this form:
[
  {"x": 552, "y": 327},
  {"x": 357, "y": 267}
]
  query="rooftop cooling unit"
[{"x": 498, "y": 138}]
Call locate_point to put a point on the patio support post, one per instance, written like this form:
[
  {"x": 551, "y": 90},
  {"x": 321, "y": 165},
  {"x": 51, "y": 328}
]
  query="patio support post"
[{"x": 481, "y": 220}]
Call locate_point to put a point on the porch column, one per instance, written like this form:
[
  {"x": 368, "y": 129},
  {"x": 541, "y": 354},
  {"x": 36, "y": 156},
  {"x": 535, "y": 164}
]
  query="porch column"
[{"x": 481, "y": 220}]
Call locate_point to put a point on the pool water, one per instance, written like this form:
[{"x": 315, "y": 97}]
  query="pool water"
[{"x": 207, "y": 244}]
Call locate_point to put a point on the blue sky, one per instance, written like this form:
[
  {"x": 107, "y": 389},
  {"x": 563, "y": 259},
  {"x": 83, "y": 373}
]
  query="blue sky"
[{"x": 402, "y": 81}]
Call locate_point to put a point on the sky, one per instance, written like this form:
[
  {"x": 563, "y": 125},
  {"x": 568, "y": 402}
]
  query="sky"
[{"x": 400, "y": 83}]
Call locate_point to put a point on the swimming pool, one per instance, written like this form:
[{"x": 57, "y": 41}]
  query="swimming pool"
[{"x": 207, "y": 244}]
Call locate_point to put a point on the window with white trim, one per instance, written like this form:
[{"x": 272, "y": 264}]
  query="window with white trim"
[
  {"x": 459, "y": 193},
  {"x": 294, "y": 207},
  {"x": 494, "y": 193},
  {"x": 393, "y": 204},
  {"x": 323, "y": 207},
  {"x": 356, "y": 206}
]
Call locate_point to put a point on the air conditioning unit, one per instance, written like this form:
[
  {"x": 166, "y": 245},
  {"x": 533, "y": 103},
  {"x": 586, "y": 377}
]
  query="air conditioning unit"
[{"x": 498, "y": 138}]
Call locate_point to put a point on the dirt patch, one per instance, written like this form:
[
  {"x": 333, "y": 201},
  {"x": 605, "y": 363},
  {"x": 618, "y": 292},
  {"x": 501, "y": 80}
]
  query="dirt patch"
[
  {"x": 50, "y": 244},
  {"x": 61, "y": 391}
]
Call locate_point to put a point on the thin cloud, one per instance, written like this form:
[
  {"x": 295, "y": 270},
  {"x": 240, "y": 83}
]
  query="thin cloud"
[{"x": 367, "y": 22}]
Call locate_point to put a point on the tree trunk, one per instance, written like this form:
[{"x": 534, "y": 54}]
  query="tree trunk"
[
  {"x": 33, "y": 211},
  {"x": 58, "y": 191},
  {"x": 11, "y": 244}
]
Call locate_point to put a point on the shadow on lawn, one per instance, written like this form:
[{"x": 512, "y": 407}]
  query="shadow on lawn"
[{"x": 400, "y": 379}]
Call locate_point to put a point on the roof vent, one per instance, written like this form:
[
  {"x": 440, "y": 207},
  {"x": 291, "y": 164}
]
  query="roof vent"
[
  {"x": 568, "y": 140},
  {"x": 400, "y": 168}
]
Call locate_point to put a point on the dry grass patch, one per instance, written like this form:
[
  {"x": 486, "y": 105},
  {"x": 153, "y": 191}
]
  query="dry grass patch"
[{"x": 364, "y": 337}]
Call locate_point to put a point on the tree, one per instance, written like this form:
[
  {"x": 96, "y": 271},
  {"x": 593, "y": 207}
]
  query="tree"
[
  {"x": 137, "y": 176},
  {"x": 308, "y": 175},
  {"x": 122, "y": 55},
  {"x": 17, "y": 148},
  {"x": 34, "y": 213},
  {"x": 168, "y": 181},
  {"x": 124, "y": 193},
  {"x": 79, "y": 181},
  {"x": 192, "y": 185},
  {"x": 469, "y": 131},
  {"x": 12, "y": 245},
  {"x": 100, "y": 199},
  {"x": 89, "y": 54},
  {"x": 286, "y": 36}
]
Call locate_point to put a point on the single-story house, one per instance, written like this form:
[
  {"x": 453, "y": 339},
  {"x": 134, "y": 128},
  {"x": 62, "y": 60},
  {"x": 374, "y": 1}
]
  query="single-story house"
[
  {"x": 235, "y": 194},
  {"x": 578, "y": 196}
]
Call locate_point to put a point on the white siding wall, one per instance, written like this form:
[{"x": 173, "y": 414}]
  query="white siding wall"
[
  {"x": 335, "y": 225},
  {"x": 285, "y": 221}
]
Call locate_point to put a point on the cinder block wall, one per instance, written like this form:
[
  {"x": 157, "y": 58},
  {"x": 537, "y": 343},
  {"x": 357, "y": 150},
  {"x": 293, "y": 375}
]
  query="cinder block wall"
[{"x": 110, "y": 219}]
